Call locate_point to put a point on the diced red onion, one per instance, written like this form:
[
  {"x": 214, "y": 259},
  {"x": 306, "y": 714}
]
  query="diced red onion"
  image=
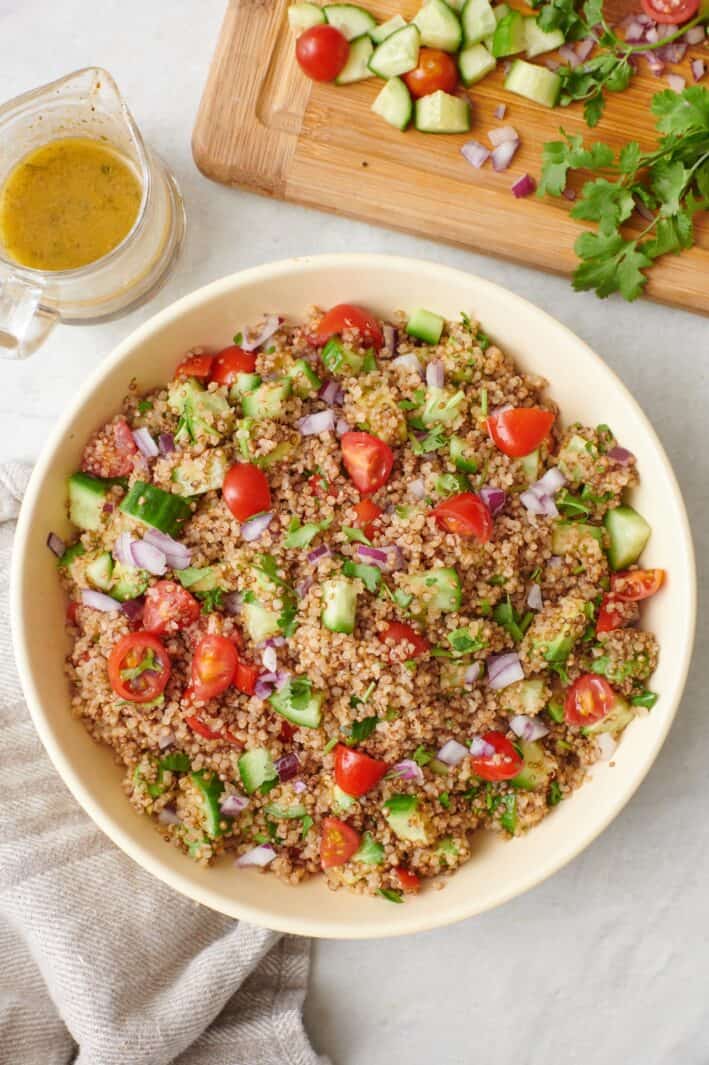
[
  {"x": 261, "y": 856},
  {"x": 255, "y": 527},
  {"x": 452, "y": 753},
  {"x": 145, "y": 443},
  {"x": 551, "y": 481},
  {"x": 493, "y": 498},
  {"x": 323, "y": 421},
  {"x": 542, "y": 506},
  {"x": 232, "y": 805},
  {"x": 409, "y": 361},
  {"x": 552, "y": 64},
  {"x": 606, "y": 746},
  {"x": 178, "y": 555},
  {"x": 56, "y": 545},
  {"x": 656, "y": 65},
  {"x": 132, "y": 608},
  {"x": 472, "y": 674},
  {"x": 299, "y": 786},
  {"x": 288, "y": 766},
  {"x": 435, "y": 374},
  {"x": 342, "y": 427},
  {"x": 500, "y": 111},
  {"x": 275, "y": 641},
  {"x": 695, "y": 35},
  {"x": 166, "y": 443},
  {"x": 534, "y": 597},
  {"x": 395, "y": 558},
  {"x": 166, "y": 740},
  {"x": 99, "y": 601},
  {"x": 652, "y": 34},
  {"x": 232, "y": 603},
  {"x": 375, "y": 555},
  {"x": 475, "y": 153},
  {"x": 389, "y": 346},
  {"x": 502, "y": 155},
  {"x": 168, "y": 816},
  {"x": 676, "y": 82},
  {"x": 507, "y": 66},
  {"x": 527, "y": 728},
  {"x": 568, "y": 194},
  {"x": 569, "y": 56},
  {"x": 673, "y": 53},
  {"x": 502, "y": 135},
  {"x": 503, "y": 670},
  {"x": 417, "y": 488},
  {"x": 621, "y": 455},
  {"x": 407, "y": 770},
  {"x": 699, "y": 68},
  {"x": 270, "y": 659},
  {"x": 665, "y": 29},
  {"x": 635, "y": 32},
  {"x": 265, "y": 685},
  {"x": 318, "y": 553},
  {"x": 524, "y": 186},
  {"x": 555, "y": 560},
  {"x": 122, "y": 550},
  {"x": 149, "y": 557},
  {"x": 480, "y": 748},
  {"x": 268, "y": 327},
  {"x": 332, "y": 393},
  {"x": 304, "y": 587},
  {"x": 584, "y": 48}
]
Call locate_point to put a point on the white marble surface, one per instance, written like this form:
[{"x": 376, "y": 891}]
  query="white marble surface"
[{"x": 608, "y": 962}]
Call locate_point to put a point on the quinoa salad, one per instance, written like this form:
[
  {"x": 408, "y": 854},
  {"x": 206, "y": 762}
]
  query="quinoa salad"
[{"x": 347, "y": 591}]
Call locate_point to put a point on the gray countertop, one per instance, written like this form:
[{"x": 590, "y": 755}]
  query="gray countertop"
[{"x": 606, "y": 963}]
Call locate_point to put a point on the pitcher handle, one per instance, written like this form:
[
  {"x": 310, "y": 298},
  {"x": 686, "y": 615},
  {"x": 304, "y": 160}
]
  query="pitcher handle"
[{"x": 19, "y": 306}]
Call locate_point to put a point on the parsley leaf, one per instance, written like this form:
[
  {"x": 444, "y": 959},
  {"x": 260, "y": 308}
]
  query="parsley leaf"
[
  {"x": 506, "y": 616},
  {"x": 302, "y": 535},
  {"x": 422, "y": 756},
  {"x": 355, "y": 535},
  {"x": 391, "y": 895},
  {"x": 361, "y": 730},
  {"x": 369, "y": 575},
  {"x": 433, "y": 441},
  {"x": 211, "y": 600}
]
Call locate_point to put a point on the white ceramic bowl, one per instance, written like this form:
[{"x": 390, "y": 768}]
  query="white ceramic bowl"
[{"x": 585, "y": 389}]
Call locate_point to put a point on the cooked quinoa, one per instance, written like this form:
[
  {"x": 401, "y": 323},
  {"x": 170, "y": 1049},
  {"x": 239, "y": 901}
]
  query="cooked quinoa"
[{"x": 456, "y": 652}]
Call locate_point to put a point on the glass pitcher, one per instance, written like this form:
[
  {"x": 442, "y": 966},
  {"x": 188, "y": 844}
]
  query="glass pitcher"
[{"x": 86, "y": 103}]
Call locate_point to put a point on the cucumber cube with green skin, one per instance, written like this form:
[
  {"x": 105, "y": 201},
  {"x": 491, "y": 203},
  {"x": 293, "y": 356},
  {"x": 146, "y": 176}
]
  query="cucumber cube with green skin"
[
  {"x": 537, "y": 768},
  {"x": 303, "y": 16},
  {"x": 87, "y": 496},
  {"x": 425, "y": 325},
  {"x": 301, "y": 707},
  {"x": 462, "y": 459},
  {"x": 453, "y": 672},
  {"x": 99, "y": 571},
  {"x": 527, "y": 697},
  {"x": 475, "y": 63},
  {"x": 478, "y": 19},
  {"x": 394, "y": 104},
  {"x": 398, "y": 54},
  {"x": 259, "y": 621},
  {"x": 499, "y": 11},
  {"x": 339, "y": 597},
  {"x": 534, "y": 82},
  {"x": 439, "y": 26},
  {"x": 341, "y": 800},
  {"x": 285, "y": 813},
  {"x": 628, "y": 533},
  {"x": 381, "y": 32},
  {"x": 438, "y": 588},
  {"x": 442, "y": 407},
  {"x": 268, "y": 400},
  {"x": 243, "y": 383},
  {"x": 574, "y": 456},
  {"x": 357, "y": 66},
  {"x": 256, "y": 768},
  {"x": 304, "y": 381},
  {"x": 529, "y": 464},
  {"x": 281, "y": 451},
  {"x": 370, "y": 851},
  {"x": 567, "y": 537},
  {"x": 128, "y": 582},
  {"x": 350, "y": 19},
  {"x": 509, "y": 37},
  {"x": 404, "y": 819},
  {"x": 210, "y": 788},
  {"x": 198, "y": 579},
  {"x": 157, "y": 508},
  {"x": 538, "y": 41},
  {"x": 201, "y": 473},
  {"x": 618, "y": 717},
  {"x": 72, "y": 552},
  {"x": 200, "y": 411},
  {"x": 340, "y": 360}
]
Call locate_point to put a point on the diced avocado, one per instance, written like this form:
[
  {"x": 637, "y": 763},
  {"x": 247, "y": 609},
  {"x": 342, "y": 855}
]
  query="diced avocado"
[
  {"x": 527, "y": 697},
  {"x": 529, "y": 465},
  {"x": 203, "y": 415},
  {"x": 281, "y": 451},
  {"x": 153, "y": 506},
  {"x": 438, "y": 588},
  {"x": 404, "y": 819},
  {"x": 297, "y": 702},
  {"x": 210, "y": 788},
  {"x": 628, "y": 533},
  {"x": 537, "y": 768},
  {"x": 256, "y": 768},
  {"x": 99, "y": 571},
  {"x": 87, "y": 496},
  {"x": 128, "y": 582},
  {"x": 285, "y": 813},
  {"x": 339, "y": 597},
  {"x": 340, "y": 360},
  {"x": 619, "y": 715},
  {"x": 268, "y": 400},
  {"x": 568, "y": 536},
  {"x": 203, "y": 473},
  {"x": 243, "y": 383},
  {"x": 441, "y": 406},
  {"x": 259, "y": 621},
  {"x": 341, "y": 800},
  {"x": 462, "y": 459},
  {"x": 370, "y": 852},
  {"x": 425, "y": 325},
  {"x": 72, "y": 552},
  {"x": 304, "y": 381},
  {"x": 198, "y": 579}
]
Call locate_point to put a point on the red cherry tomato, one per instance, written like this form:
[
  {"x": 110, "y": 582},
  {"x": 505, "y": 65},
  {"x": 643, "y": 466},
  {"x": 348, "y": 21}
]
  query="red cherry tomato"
[
  {"x": 232, "y": 361},
  {"x": 465, "y": 515},
  {"x": 367, "y": 513},
  {"x": 636, "y": 584},
  {"x": 139, "y": 667},
  {"x": 410, "y": 883},
  {"x": 195, "y": 366},
  {"x": 245, "y": 677},
  {"x": 320, "y": 486},
  {"x": 111, "y": 452},
  {"x": 518, "y": 431},
  {"x": 503, "y": 763},
  {"x": 71, "y": 612},
  {"x": 169, "y": 605},
  {"x": 671, "y": 11},
  {"x": 199, "y": 726},
  {"x": 322, "y": 52},
  {"x": 356, "y": 773},
  {"x": 246, "y": 491},
  {"x": 436, "y": 70},
  {"x": 588, "y": 699},
  {"x": 399, "y": 632},
  {"x": 338, "y": 842},
  {"x": 231, "y": 738},
  {"x": 367, "y": 459},
  {"x": 609, "y": 618},
  {"x": 347, "y": 316},
  {"x": 287, "y": 732},
  {"x": 213, "y": 666}
]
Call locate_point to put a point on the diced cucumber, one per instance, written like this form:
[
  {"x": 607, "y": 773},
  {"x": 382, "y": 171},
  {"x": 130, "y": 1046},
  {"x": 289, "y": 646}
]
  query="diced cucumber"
[
  {"x": 157, "y": 508},
  {"x": 370, "y": 851},
  {"x": 442, "y": 407},
  {"x": 259, "y": 621},
  {"x": 537, "y": 767},
  {"x": 478, "y": 20},
  {"x": 439, "y": 26},
  {"x": 534, "y": 83},
  {"x": 530, "y": 466},
  {"x": 280, "y": 452},
  {"x": 268, "y": 400},
  {"x": 303, "y": 15},
  {"x": 394, "y": 104},
  {"x": 452, "y": 676},
  {"x": 339, "y": 598},
  {"x": 628, "y": 533},
  {"x": 87, "y": 496},
  {"x": 404, "y": 819},
  {"x": 285, "y": 813},
  {"x": 128, "y": 582},
  {"x": 474, "y": 63},
  {"x": 243, "y": 383},
  {"x": 72, "y": 552},
  {"x": 380, "y": 33},
  {"x": 462, "y": 459},
  {"x": 198, "y": 579},
  {"x": 338, "y": 359},
  {"x": 537, "y": 41},
  {"x": 499, "y": 12},
  {"x": 210, "y": 788},
  {"x": 425, "y": 325},
  {"x": 442, "y": 113},
  {"x": 302, "y": 709},
  {"x": 256, "y": 768},
  {"x": 509, "y": 37},
  {"x": 568, "y": 536},
  {"x": 350, "y": 19},
  {"x": 438, "y": 588},
  {"x": 341, "y": 800},
  {"x": 397, "y": 54},
  {"x": 356, "y": 68},
  {"x": 304, "y": 381},
  {"x": 203, "y": 473},
  {"x": 526, "y": 696},
  {"x": 99, "y": 572},
  {"x": 569, "y": 461},
  {"x": 618, "y": 717},
  {"x": 199, "y": 411}
]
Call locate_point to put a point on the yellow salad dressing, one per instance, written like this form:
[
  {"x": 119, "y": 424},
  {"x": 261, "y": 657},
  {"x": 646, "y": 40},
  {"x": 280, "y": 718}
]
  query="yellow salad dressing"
[{"x": 67, "y": 203}]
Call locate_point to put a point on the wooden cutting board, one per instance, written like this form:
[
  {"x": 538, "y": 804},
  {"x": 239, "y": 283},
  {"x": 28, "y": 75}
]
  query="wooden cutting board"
[{"x": 264, "y": 126}]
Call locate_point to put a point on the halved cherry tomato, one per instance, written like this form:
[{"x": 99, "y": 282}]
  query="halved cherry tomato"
[
  {"x": 502, "y": 764},
  {"x": 436, "y": 70},
  {"x": 347, "y": 316},
  {"x": 200, "y": 728},
  {"x": 213, "y": 666},
  {"x": 609, "y": 618},
  {"x": 232, "y": 361},
  {"x": 367, "y": 459},
  {"x": 111, "y": 452},
  {"x": 169, "y": 605},
  {"x": 671, "y": 11},
  {"x": 399, "y": 632},
  {"x": 338, "y": 842},
  {"x": 465, "y": 515},
  {"x": 322, "y": 52},
  {"x": 71, "y": 612},
  {"x": 231, "y": 738},
  {"x": 287, "y": 731},
  {"x": 588, "y": 699},
  {"x": 139, "y": 667},
  {"x": 195, "y": 366},
  {"x": 355, "y": 772},
  {"x": 636, "y": 584},
  {"x": 518, "y": 431},
  {"x": 408, "y": 880},
  {"x": 246, "y": 491},
  {"x": 367, "y": 513},
  {"x": 245, "y": 677}
]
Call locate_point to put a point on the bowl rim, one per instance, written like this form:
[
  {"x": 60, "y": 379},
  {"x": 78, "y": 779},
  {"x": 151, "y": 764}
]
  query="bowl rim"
[{"x": 412, "y": 921}]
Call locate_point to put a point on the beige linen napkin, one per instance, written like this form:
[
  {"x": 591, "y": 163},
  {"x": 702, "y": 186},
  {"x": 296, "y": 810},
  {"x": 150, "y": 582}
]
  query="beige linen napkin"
[{"x": 101, "y": 964}]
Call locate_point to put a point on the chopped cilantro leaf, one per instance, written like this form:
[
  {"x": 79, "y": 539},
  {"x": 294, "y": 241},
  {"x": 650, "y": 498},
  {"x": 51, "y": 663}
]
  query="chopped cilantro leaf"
[
  {"x": 307, "y": 824},
  {"x": 302, "y": 535},
  {"x": 361, "y": 730},
  {"x": 554, "y": 795},
  {"x": 646, "y": 699},
  {"x": 355, "y": 535},
  {"x": 422, "y": 756},
  {"x": 391, "y": 895},
  {"x": 369, "y": 575}
]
